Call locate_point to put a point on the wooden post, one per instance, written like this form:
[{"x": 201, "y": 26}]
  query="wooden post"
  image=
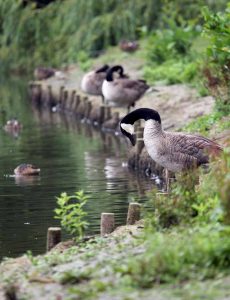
[
  {"x": 49, "y": 96},
  {"x": 72, "y": 98},
  {"x": 134, "y": 213},
  {"x": 107, "y": 223},
  {"x": 101, "y": 114},
  {"x": 61, "y": 94},
  {"x": 137, "y": 125},
  {"x": 65, "y": 99},
  {"x": 116, "y": 115},
  {"x": 84, "y": 111},
  {"x": 77, "y": 102},
  {"x": 88, "y": 109},
  {"x": 140, "y": 141},
  {"x": 53, "y": 237},
  {"x": 107, "y": 113}
]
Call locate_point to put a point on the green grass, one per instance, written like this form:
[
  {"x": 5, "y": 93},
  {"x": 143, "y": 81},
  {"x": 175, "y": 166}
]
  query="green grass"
[
  {"x": 205, "y": 123},
  {"x": 171, "y": 72}
]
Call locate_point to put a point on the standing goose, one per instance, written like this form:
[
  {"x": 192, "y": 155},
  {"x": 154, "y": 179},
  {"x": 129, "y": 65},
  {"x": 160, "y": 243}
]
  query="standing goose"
[
  {"x": 174, "y": 151},
  {"x": 122, "y": 91},
  {"x": 92, "y": 81}
]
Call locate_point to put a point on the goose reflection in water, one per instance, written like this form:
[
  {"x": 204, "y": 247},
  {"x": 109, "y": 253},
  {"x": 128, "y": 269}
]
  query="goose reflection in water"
[
  {"x": 118, "y": 176},
  {"x": 27, "y": 180},
  {"x": 13, "y": 127}
]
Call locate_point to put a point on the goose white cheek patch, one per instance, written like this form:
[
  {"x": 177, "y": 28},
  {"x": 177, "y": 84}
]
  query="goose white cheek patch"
[{"x": 128, "y": 128}]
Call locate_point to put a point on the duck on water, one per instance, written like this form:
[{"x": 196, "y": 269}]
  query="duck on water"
[
  {"x": 26, "y": 170},
  {"x": 174, "y": 151}
]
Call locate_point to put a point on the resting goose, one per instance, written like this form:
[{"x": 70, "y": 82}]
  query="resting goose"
[
  {"x": 92, "y": 81},
  {"x": 122, "y": 92},
  {"x": 174, "y": 151}
]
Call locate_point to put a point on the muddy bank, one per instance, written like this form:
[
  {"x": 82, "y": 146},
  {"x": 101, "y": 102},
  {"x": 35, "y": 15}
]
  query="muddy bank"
[{"x": 51, "y": 276}]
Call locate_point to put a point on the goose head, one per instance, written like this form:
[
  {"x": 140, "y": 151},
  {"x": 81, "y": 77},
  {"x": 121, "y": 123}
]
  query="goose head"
[
  {"x": 117, "y": 68},
  {"x": 127, "y": 123}
]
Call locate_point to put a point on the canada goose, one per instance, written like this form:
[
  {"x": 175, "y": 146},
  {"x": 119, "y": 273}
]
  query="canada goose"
[
  {"x": 26, "y": 170},
  {"x": 174, "y": 151},
  {"x": 122, "y": 92},
  {"x": 92, "y": 81}
]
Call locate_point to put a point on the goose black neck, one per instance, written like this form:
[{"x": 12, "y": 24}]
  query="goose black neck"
[
  {"x": 102, "y": 69},
  {"x": 141, "y": 113},
  {"x": 109, "y": 75}
]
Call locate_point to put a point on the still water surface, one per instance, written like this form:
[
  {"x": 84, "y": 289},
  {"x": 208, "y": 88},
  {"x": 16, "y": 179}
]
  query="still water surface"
[{"x": 72, "y": 156}]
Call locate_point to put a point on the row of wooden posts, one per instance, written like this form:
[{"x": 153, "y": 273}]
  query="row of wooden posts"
[
  {"x": 70, "y": 101},
  {"x": 107, "y": 225}
]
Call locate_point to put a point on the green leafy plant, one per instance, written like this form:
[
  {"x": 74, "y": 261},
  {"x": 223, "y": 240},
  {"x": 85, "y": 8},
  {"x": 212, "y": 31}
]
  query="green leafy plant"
[
  {"x": 203, "y": 124},
  {"x": 172, "y": 71},
  {"x": 71, "y": 213},
  {"x": 217, "y": 71},
  {"x": 179, "y": 255}
]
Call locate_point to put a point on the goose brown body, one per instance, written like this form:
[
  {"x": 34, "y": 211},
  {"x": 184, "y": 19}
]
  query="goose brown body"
[
  {"x": 92, "y": 81},
  {"x": 122, "y": 92},
  {"x": 174, "y": 151},
  {"x": 177, "y": 151}
]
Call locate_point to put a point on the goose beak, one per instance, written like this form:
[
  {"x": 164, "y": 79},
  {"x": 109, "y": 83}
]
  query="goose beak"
[
  {"x": 128, "y": 131},
  {"x": 132, "y": 138}
]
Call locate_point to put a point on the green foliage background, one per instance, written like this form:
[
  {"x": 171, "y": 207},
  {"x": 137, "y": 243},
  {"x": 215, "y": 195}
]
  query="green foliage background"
[{"x": 57, "y": 33}]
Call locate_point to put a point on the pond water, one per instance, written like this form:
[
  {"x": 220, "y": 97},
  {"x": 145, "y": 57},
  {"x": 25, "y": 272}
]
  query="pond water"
[{"x": 72, "y": 156}]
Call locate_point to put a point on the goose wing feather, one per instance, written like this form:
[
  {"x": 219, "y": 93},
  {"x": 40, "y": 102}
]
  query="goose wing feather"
[
  {"x": 132, "y": 84},
  {"x": 97, "y": 79},
  {"x": 195, "y": 146}
]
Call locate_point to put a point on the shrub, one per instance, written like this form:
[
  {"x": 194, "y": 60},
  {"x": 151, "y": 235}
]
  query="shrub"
[
  {"x": 71, "y": 213},
  {"x": 172, "y": 71},
  {"x": 195, "y": 253},
  {"x": 217, "y": 70}
]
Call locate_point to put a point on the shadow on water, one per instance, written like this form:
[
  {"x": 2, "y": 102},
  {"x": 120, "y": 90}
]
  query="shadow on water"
[{"x": 72, "y": 156}]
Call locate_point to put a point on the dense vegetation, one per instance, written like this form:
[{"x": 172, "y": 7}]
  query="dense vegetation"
[{"x": 57, "y": 34}]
